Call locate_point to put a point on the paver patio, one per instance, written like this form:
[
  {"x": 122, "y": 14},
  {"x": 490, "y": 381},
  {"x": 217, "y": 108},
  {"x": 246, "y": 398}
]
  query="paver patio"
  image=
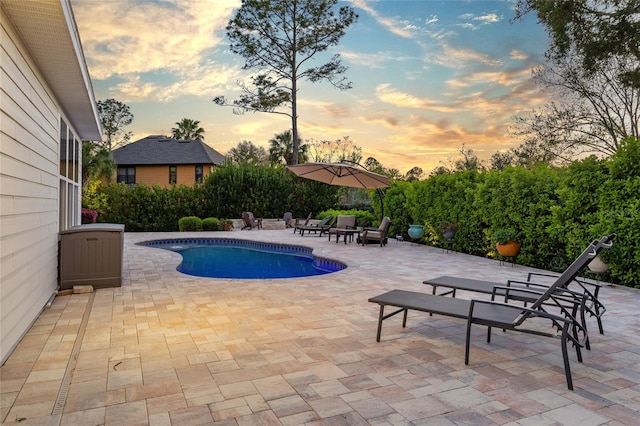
[{"x": 172, "y": 349}]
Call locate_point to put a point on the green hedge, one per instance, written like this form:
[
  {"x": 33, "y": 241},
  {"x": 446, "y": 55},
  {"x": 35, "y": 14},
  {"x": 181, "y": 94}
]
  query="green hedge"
[
  {"x": 555, "y": 211},
  {"x": 227, "y": 192},
  {"x": 363, "y": 217}
]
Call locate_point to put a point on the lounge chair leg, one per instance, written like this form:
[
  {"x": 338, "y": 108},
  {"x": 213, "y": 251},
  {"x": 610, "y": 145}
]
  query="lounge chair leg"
[
  {"x": 380, "y": 323},
  {"x": 468, "y": 337},
  {"x": 599, "y": 323},
  {"x": 404, "y": 319},
  {"x": 489, "y": 334},
  {"x": 583, "y": 319},
  {"x": 565, "y": 356}
]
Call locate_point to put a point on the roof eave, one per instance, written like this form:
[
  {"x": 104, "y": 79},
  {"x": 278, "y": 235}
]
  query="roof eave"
[{"x": 49, "y": 32}]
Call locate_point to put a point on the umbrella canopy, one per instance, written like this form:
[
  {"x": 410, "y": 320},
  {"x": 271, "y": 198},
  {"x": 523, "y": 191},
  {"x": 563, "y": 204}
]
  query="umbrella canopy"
[{"x": 340, "y": 174}]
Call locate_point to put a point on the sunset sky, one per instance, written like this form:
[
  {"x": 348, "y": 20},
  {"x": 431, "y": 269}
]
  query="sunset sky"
[{"x": 428, "y": 76}]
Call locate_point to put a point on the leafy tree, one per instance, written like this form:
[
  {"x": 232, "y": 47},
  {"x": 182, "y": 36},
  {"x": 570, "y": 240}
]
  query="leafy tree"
[
  {"x": 97, "y": 162},
  {"x": 416, "y": 173},
  {"x": 596, "y": 29},
  {"x": 114, "y": 117},
  {"x": 440, "y": 170},
  {"x": 374, "y": 166},
  {"x": 591, "y": 113},
  {"x": 247, "y": 152},
  {"x": 188, "y": 129},
  {"x": 280, "y": 38},
  {"x": 281, "y": 149},
  {"x": 468, "y": 160},
  {"x": 500, "y": 160},
  {"x": 528, "y": 154},
  {"x": 335, "y": 151}
]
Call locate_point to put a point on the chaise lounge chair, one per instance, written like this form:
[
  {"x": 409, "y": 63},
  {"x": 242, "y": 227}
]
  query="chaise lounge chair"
[
  {"x": 322, "y": 226},
  {"x": 250, "y": 221},
  {"x": 301, "y": 222},
  {"x": 593, "y": 306},
  {"x": 508, "y": 316},
  {"x": 379, "y": 234}
]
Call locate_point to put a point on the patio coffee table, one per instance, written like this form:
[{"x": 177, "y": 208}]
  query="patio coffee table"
[{"x": 347, "y": 232}]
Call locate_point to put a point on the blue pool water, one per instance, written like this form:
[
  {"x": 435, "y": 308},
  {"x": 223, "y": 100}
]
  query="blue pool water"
[{"x": 229, "y": 258}]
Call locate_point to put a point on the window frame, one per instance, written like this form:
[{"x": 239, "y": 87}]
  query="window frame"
[{"x": 129, "y": 175}]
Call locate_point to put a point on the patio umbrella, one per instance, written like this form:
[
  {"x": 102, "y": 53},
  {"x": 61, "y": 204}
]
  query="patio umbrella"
[{"x": 341, "y": 174}]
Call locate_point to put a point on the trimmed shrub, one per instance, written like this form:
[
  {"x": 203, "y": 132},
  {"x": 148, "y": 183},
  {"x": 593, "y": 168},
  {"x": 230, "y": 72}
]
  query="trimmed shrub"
[
  {"x": 211, "y": 224},
  {"x": 190, "y": 223}
]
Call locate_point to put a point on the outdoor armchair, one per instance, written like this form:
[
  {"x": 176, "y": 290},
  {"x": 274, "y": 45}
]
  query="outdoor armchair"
[
  {"x": 343, "y": 222},
  {"x": 379, "y": 234},
  {"x": 250, "y": 221},
  {"x": 288, "y": 220}
]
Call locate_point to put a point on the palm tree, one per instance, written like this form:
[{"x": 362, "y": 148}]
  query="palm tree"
[
  {"x": 281, "y": 149},
  {"x": 188, "y": 129},
  {"x": 97, "y": 162}
]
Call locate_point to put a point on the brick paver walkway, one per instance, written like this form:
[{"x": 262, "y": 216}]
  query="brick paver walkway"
[{"x": 171, "y": 349}]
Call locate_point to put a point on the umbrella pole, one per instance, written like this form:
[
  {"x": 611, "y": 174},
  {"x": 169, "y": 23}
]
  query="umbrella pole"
[
  {"x": 380, "y": 194},
  {"x": 378, "y": 190}
]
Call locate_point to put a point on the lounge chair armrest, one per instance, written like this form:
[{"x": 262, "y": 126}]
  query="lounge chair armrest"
[
  {"x": 579, "y": 280},
  {"x": 530, "y": 275},
  {"x": 505, "y": 290},
  {"x": 540, "y": 288},
  {"x": 535, "y": 312},
  {"x": 568, "y": 297},
  {"x": 527, "y": 284},
  {"x": 508, "y": 289}
]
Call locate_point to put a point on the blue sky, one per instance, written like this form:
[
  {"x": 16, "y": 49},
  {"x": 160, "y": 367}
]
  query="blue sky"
[{"x": 428, "y": 76}]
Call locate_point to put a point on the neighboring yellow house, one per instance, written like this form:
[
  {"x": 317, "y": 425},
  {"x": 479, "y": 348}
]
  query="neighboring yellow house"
[
  {"x": 48, "y": 107},
  {"x": 163, "y": 161}
]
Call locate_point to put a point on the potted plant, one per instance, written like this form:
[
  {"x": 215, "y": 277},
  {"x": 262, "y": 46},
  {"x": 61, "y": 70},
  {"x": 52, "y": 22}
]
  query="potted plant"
[
  {"x": 227, "y": 224},
  {"x": 598, "y": 266},
  {"x": 448, "y": 229},
  {"x": 415, "y": 231},
  {"x": 507, "y": 242}
]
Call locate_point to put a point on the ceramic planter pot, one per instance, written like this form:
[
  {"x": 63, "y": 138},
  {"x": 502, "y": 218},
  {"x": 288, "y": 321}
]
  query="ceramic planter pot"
[
  {"x": 415, "y": 231},
  {"x": 510, "y": 249},
  {"x": 598, "y": 266}
]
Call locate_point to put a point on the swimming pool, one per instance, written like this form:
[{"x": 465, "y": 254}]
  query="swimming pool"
[{"x": 243, "y": 259}]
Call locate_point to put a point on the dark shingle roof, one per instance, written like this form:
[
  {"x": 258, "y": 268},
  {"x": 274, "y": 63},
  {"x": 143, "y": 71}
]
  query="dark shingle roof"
[{"x": 160, "y": 150}]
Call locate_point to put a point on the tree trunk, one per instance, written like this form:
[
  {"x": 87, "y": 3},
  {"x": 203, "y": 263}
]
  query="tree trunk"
[{"x": 294, "y": 89}]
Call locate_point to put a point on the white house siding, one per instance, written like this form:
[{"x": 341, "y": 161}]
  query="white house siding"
[{"x": 29, "y": 190}]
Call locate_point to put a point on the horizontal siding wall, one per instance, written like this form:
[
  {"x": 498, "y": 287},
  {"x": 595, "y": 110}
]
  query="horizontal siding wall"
[
  {"x": 29, "y": 187},
  {"x": 153, "y": 175},
  {"x": 159, "y": 175},
  {"x": 186, "y": 174}
]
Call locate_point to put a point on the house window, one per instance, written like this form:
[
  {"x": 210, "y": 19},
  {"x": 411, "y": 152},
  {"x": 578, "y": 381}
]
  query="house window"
[
  {"x": 70, "y": 153},
  {"x": 127, "y": 175},
  {"x": 173, "y": 174},
  {"x": 64, "y": 134},
  {"x": 199, "y": 173}
]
